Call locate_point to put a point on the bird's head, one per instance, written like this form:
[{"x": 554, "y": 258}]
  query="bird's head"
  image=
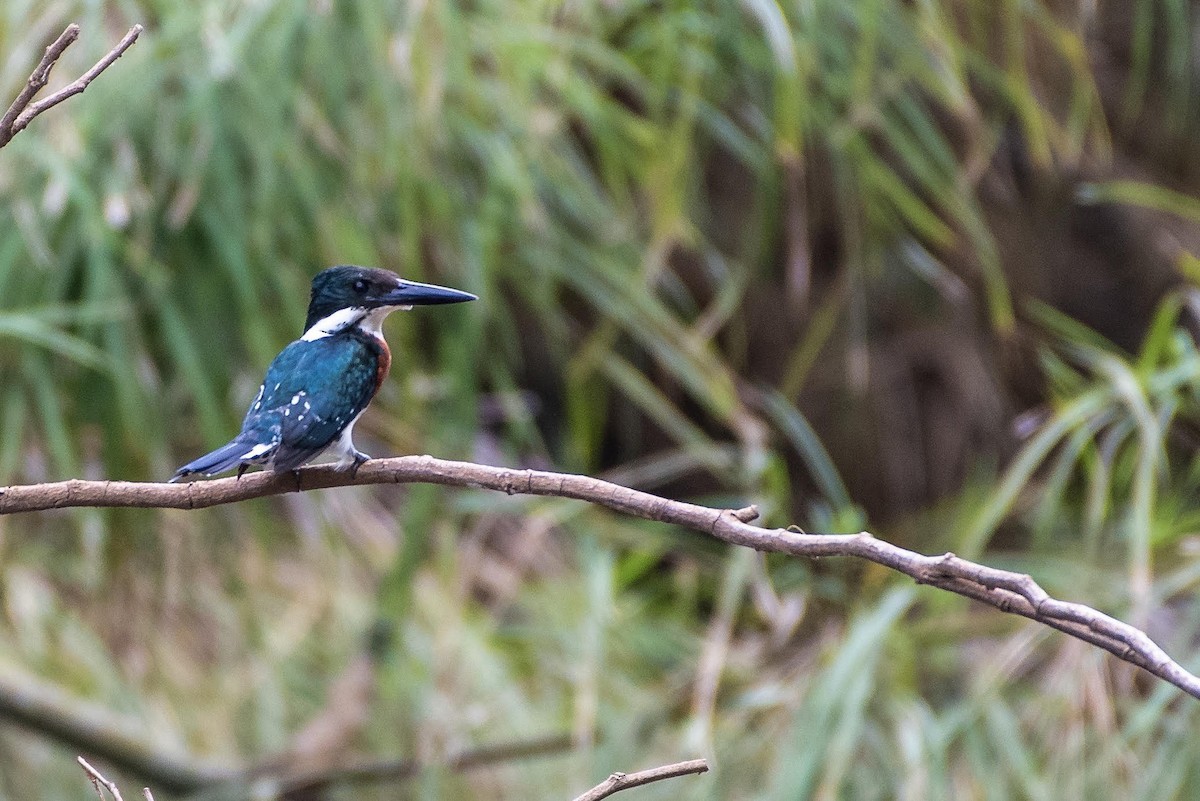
[{"x": 348, "y": 289}]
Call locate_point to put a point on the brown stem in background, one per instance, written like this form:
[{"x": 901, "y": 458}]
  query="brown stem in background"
[
  {"x": 83, "y": 726},
  {"x": 798, "y": 254},
  {"x": 302, "y": 785},
  {"x": 104, "y": 735}
]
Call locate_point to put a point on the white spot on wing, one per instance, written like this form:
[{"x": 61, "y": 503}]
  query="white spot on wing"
[{"x": 256, "y": 451}]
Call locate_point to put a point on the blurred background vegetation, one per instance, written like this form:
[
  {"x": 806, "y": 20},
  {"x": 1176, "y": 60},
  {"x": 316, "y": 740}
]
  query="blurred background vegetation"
[{"x": 924, "y": 266}]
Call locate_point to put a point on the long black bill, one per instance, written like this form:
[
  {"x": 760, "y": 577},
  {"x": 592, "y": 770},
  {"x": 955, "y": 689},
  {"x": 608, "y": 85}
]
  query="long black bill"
[{"x": 411, "y": 293}]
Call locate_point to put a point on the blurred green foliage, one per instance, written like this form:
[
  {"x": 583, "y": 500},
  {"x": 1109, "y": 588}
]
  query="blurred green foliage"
[{"x": 683, "y": 221}]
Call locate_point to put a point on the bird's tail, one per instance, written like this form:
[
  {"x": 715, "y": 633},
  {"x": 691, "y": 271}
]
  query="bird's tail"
[{"x": 220, "y": 460}]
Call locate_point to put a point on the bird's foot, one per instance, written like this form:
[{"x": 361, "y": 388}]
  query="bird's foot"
[{"x": 358, "y": 461}]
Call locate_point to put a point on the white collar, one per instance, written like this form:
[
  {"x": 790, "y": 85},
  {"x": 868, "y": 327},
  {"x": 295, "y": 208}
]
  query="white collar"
[{"x": 370, "y": 322}]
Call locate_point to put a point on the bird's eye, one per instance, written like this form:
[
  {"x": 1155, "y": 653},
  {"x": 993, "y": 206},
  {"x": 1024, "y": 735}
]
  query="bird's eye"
[{"x": 360, "y": 286}]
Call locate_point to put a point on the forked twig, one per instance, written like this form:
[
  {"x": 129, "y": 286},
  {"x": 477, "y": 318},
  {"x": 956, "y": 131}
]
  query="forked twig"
[
  {"x": 98, "y": 779},
  {"x": 23, "y": 109}
]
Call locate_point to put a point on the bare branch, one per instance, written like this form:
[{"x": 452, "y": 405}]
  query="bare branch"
[
  {"x": 22, "y": 110},
  {"x": 1014, "y": 593},
  {"x": 623, "y": 781}
]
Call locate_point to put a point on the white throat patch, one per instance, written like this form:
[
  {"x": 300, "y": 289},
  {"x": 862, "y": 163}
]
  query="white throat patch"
[{"x": 370, "y": 322}]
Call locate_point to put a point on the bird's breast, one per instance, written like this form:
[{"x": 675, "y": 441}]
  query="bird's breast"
[{"x": 383, "y": 362}]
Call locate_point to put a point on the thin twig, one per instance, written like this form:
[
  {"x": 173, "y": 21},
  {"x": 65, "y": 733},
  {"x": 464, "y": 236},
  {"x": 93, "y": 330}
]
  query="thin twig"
[
  {"x": 1014, "y": 593},
  {"x": 23, "y": 110},
  {"x": 623, "y": 781},
  {"x": 98, "y": 779}
]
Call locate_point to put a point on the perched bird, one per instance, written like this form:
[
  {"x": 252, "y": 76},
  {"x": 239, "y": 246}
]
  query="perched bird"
[{"x": 318, "y": 385}]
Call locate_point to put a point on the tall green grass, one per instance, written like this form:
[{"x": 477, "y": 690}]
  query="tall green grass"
[{"x": 533, "y": 155}]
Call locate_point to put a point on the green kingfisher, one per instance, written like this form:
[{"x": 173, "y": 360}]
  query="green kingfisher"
[{"x": 317, "y": 386}]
